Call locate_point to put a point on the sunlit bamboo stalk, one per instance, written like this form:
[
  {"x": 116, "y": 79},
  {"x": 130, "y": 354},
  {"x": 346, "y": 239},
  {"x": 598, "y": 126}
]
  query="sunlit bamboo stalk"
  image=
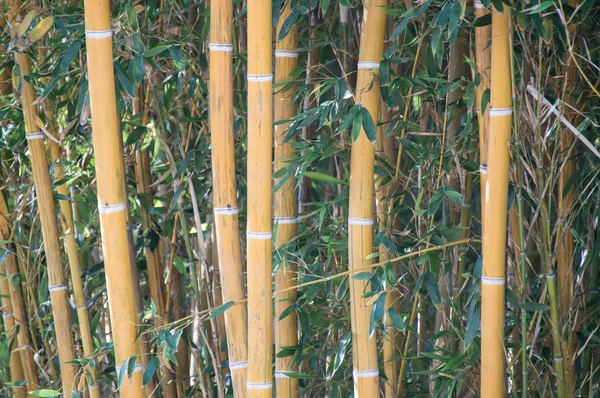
[
  {"x": 45, "y": 198},
  {"x": 285, "y": 210},
  {"x": 225, "y": 193},
  {"x": 73, "y": 258},
  {"x": 493, "y": 369},
  {"x": 258, "y": 234},
  {"x": 111, "y": 193},
  {"x": 483, "y": 58},
  {"x": 360, "y": 219}
]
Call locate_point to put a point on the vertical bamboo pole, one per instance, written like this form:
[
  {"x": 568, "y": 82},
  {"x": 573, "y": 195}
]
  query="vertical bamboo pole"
[
  {"x": 493, "y": 370},
  {"x": 41, "y": 178},
  {"x": 10, "y": 267},
  {"x": 483, "y": 58},
  {"x": 360, "y": 221},
  {"x": 384, "y": 148},
  {"x": 15, "y": 364},
  {"x": 111, "y": 194},
  {"x": 564, "y": 236},
  {"x": 285, "y": 210},
  {"x": 258, "y": 234},
  {"x": 224, "y": 195},
  {"x": 73, "y": 257}
]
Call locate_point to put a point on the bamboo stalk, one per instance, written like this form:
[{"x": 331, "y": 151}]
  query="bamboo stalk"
[
  {"x": 384, "y": 148},
  {"x": 11, "y": 320},
  {"x": 224, "y": 194},
  {"x": 73, "y": 257},
  {"x": 258, "y": 234},
  {"x": 285, "y": 210},
  {"x": 360, "y": 221},
  {"x": 41, "y": 177},
  {"x": 483, "y": 58},
  {"x": 111, "y": 193},
  {"x": 493, "y": 371}
]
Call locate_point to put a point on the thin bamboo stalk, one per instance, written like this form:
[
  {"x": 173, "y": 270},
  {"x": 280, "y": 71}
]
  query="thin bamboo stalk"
[
  {"x": 73, "y": 257},
  {"x": 285, "y": 210},
  {"x": 360, "y": 221},
  {"x": 224, "y": 195},
  {"x": 483, "y": 58},
  {"x": 11, "y": 321},
  {"x": 258, "y": 234},
  {"x": 41, "y": 177},
  {"x": 564, "y": 236},
  {"x": 111, "y": 193},
  {"x": 493, "y": 371},
  {"x": 384, "y": 148}
]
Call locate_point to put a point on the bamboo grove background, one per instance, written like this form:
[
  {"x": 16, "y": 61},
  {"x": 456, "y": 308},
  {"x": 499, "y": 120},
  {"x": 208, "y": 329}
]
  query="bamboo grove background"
[{"x": 299, "y": 198}]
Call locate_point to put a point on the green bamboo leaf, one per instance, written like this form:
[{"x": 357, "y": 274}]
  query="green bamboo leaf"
[
  {"x": 432, "y": 288},
  {"x": 156, "y": 50},
  {"x": 316, "y": 176},
  {"x": 483, "y": 21},
  {"x": 472, "y": 323},
  {"x": 151, "y": 368},
  {"x": 341, "y": 352},
  {"x": 221, "y": 309},
  {"x": 356, "y": 125},
  {"x": 138, "y": 68},
  {"x": 288, "y": 24},
  {"x": 294, "y": 375},
  {"x": 397, "y": 319},
  {"x": 544, "y": 5},
  {"x": 534, "y": 306},
  {"x": 368, "y": 125},
  {"x": 45, "y": 393},
  {"x": 362, "y": 276}
]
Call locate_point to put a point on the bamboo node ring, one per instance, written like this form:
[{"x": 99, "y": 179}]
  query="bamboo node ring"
[
  {"x": 35, "y": 136},
  {"x": 259, "y": 386},
  {"x": 24, "y": 347},
  {"x": 488, "y": 280},
  {"x": 558, "y": 359},
  {"x": 483, "y": 169},
  {"x": 238, "y": 365},
  {"x": 221, "y": 47},
  {"x": 368, "y": 65},
  {"x": 550, "y": 276},
  {"x": 258, "y": 235},
  {"x": 98, "y": 34},
  {"x": 260, "y": 78},
  {"x": 360, "y": 221},
  {"x": 366, "y": 373},
  {"x": 479, "y": 4},
  {"x": 107, "y": 209},
  {"x": 8, "y": 314},
  {"x": 57, "y": 288},
  {"x": 281, "y": 374},
  {"x": 466, "y": 205},
  {"x": 225, "y": 211},
  {"x": 285, "y": 220},
  {"x": 500, "y": 112},
  {"x": 286, "y": 54}
]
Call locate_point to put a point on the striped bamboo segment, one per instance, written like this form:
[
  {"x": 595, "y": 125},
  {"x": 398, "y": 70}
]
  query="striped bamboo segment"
[
  {"x": 493, "y": 370},
  {"x": 360, "y": 221},
  {"x": 111, "y": 193},
  {"x": 41, "y": 177},
  {"x": 260, "y": 142},
  {"x": 224, "y": 194},
  {"x": 285, "y": 210}
]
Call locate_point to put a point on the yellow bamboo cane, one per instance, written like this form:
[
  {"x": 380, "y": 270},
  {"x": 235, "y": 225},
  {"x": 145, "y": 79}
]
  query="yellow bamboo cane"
[
  {"x": 111, "y": 194},
  {"x": 360, "y": 221},
  {"x": 224, "y": 195},
  {"x": 493, "y": 370},
  {"x": 8, "y": 314},
  {"x": 258, "y": 234},
  {"x": 45, "y": 198},
  {"x": 285, "y": 210},
  {"x": 10, "y": 267},
  {"x": 483, "y": 58},
  {"x": 73, "y": 257}
]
